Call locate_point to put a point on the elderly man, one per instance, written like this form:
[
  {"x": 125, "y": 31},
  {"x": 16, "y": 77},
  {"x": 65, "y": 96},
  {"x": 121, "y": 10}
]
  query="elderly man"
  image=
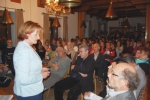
[
  {"x": 58, "y": 67},
  {"x": 7, "y": 56},
  {"x": 81, "y": 78},
  {"x": 123, "y": 79},
  {"x": 130, "y": 59}
]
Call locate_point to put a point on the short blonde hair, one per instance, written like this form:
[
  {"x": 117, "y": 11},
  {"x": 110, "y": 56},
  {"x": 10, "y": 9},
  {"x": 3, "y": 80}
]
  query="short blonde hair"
[{"x": 27, "y": 28}]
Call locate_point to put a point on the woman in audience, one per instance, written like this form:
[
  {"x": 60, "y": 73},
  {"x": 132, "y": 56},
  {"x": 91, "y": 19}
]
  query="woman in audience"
[
  {"x": 49, "y": 53},
  {"x": 40, "y": 49},
  {"x": 70, "y": 52},
  {"x": 28, "y": 83},
  {"x": 64, "y": 45},
  {"x": 119, "y": 49}
]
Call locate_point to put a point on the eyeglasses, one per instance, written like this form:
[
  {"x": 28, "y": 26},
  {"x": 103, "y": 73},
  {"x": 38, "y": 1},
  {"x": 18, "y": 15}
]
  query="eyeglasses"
[{"x": 121, "y": 77}]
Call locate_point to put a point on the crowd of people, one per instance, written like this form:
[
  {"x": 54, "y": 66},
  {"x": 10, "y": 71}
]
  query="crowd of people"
[{"x": 120, "y": 62}]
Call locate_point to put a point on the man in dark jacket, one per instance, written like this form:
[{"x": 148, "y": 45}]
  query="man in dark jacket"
[
  {"x": 81, "y": 77},
  {"x": 7, "y": 56}
]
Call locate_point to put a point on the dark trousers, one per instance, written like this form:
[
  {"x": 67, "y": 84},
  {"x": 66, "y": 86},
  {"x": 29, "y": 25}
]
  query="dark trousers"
[
  {"x": 11, "y": 67},
  {"x": 72, "y": 84},
  {"x": 35, "y": 97}
]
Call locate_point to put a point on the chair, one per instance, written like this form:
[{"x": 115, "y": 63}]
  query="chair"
[
  {"x": 65, "y": 76},
  {"x": 143, "y": 92}
]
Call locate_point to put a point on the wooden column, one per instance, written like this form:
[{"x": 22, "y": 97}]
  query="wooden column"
[
  {"x": 147, "y": 35},
  {"x": 81, "y": 17}
]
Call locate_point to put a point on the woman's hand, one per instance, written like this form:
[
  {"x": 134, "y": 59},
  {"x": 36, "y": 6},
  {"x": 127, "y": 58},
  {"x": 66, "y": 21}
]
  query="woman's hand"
[{"x": 45, "y": 72}]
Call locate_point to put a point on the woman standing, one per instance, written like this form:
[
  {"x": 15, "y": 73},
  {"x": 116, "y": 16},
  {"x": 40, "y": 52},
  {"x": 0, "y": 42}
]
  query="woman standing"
[{"x": 28, "y": 65}]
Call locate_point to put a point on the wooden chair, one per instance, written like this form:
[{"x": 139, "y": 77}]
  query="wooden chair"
[{"x": 65, "y": 76}]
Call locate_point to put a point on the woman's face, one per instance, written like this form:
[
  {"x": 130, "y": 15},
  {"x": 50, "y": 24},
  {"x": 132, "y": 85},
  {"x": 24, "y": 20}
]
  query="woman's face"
[{"x": 33, "y": 37}]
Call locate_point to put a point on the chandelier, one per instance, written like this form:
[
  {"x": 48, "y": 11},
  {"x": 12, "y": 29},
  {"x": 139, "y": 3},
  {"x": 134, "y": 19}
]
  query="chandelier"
[{"x": 53, "y": 8}]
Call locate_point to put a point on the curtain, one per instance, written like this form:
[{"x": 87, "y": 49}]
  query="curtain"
[
  {"x": 65, "y": 28},
  {"x": 19, "y": 21},
  {"x": 46, "y": 28}
]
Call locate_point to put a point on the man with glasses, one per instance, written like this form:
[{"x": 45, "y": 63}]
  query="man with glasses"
[
  {"x": 7, "y": 56},
  {"x": 123, "y": 79}
]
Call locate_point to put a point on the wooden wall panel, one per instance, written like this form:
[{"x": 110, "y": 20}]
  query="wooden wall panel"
[
  {"x": 81, "y": 17},
  {"x": 147, "y": 23}
]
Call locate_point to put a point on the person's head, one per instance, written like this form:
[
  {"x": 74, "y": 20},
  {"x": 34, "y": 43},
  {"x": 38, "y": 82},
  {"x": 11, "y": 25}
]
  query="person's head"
[
  {"x": 39, "y": 42},
  {"x": 147, "y": 44},
  {"x": 47, "y": 42},
  {"x": 118, "y": 43},
  {"x": 102, "y": 44},
  {"x": 83, "y": 51},
  {"x": 30, "y": 31},
  {"x": 138, "y": 51},
  {"x": 69, "y": 46},
  {"x": 112, "y": 45},
  {"x": 53, "y": 41},
  {"x": 130, "y": 59},
  {"x": 108, "y": 45},
  {"x": 122, "y": 76},
  {"x": 144, "y": 54},
  {"x": 63, "y": 43},
  {"x": 58, "y": 43},
  {"x": 9, "y": 43},
  {"x": 128, "y": 44},
  {"x": 61, "y": 52},
  {"x": 96, "y": 48},
  {"x": 77, "y": 37},
  {"x": 138, "y": 44}
]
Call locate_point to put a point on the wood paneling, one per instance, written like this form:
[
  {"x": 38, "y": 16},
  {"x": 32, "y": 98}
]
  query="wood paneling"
[
  {"x": 132, "y": 7},
  {"x": 148, "y": 23},
  {"x": 81, "y": 17}
]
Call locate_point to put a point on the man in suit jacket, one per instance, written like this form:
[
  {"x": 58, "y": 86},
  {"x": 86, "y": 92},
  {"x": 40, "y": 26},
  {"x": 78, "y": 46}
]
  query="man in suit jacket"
[
  {"x": 81, "y": 77},
  {"x": 99, "y": 60},
  {"x": 123, "y": 79}
]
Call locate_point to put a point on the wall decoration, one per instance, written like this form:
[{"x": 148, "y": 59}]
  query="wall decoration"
[
  {"x": 41, "y": 3},
  {"x": 17, "y": 1}
]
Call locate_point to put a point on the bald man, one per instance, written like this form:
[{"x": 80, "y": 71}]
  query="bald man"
[
  {"x": 123, "y": 79},
  {"x": 58, "y": 67}
]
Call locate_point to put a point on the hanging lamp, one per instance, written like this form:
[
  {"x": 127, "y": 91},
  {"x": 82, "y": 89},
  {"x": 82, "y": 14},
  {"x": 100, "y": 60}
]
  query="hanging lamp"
[
  {"x": 6, "y": 19},
  {"x": 83, "y": 24},
  {"x": 126, "y": 23},
  {"x": 70, "y": 3},
  {"x": 111, "y": 12},
  {"x": 56, "y": 23}
]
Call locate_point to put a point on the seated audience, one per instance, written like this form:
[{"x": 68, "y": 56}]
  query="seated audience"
[
  {"x": 58, "y": 67},
  {"x": 81, "y": 77}
]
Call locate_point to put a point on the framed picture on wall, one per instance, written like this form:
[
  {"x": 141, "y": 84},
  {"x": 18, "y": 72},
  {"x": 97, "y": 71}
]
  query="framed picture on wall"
[
  {"x": 17, "y": 1},
  {"x": 41, "y": 3}
]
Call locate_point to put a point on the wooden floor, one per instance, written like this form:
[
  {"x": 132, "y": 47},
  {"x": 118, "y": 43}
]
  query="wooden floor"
[{"x": 9, "y": 91}]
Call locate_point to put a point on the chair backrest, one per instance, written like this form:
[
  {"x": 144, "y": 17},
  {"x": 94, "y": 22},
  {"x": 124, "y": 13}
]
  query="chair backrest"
[{"x": 142, "y": 93}]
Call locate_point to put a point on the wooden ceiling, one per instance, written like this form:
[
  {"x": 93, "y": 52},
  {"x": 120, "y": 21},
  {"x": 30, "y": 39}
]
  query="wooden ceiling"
[{"x": 98, "y": 8}]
